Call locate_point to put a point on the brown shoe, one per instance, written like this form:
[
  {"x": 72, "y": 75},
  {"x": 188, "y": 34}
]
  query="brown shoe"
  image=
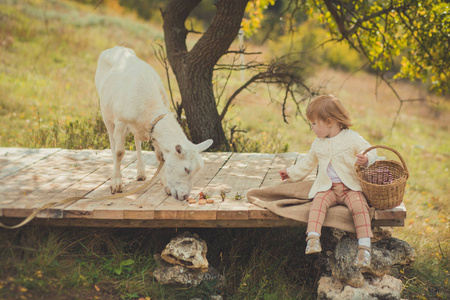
[
  {"x": 313, "y": 245},
  {"x": 363, "y": 256}
]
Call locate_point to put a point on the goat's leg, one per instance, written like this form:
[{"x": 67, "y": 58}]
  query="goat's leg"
[
  {"x": 140, "y": 162},
  {"x": 120, "y": 132},
  {"x": 110, "y": 128},
  {"x": 112, "y": 144}
]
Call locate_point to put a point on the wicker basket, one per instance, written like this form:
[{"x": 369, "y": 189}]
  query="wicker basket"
[{"x": 383, "y": 183}]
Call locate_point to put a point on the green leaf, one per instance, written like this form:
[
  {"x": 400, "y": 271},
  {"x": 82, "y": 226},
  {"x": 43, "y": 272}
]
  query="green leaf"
[{"x": 127, "y": 262}]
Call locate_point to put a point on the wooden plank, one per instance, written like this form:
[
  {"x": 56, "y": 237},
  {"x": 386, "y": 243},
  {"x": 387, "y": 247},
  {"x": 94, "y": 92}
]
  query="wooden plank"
[
  {"x": 114, "y": 209},
  {"x": 214, "y": 162},
  {"x": 237, "y": 206},
  {"x": 8, "y": 155},
  {"x": 94, "y": 185},
  {"x": 155, "y": 204},
  {"x": 32, "y": 156},
  {"x": 392, "y": 223},
  {"x": 281, "y": 161},
  {"x": 396, "y": 213},
  {"x": 148, "y": 203},
  {"x": 44, "y": 179},
  {"x": 47, "y": 175},
  {"x": 143, "y": 208},
  {"x": 225, "y": 179},
  {"x": 208, "y": 211},
  {"x": 173, "y": 209},
  {"x": 153, "y": 223}
]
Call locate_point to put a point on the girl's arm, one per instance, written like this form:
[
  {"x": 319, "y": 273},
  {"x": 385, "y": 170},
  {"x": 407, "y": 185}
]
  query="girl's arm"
[
  {"x": 361, "y": 146},
  {"x": 303, "y": 166},
  {"x": 362, "y": 159},
  {"x": 283, "y": 174}
]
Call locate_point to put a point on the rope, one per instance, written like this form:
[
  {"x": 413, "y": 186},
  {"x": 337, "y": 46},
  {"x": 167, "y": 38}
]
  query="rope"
[{"x": 72, "y": 200}]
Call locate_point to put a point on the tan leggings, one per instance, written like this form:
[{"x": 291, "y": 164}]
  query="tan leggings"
[{"x": 340, "y": 194}]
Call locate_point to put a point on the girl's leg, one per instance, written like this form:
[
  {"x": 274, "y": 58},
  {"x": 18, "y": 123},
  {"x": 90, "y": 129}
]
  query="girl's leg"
[
  {"x": 320, "y": 204},
  {"x": 357, "y": 204},
  {"x": 317, "y": 213}
]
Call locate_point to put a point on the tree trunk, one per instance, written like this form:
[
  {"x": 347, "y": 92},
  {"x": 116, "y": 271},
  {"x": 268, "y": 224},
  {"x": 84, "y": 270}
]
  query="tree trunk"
[{"x": 194, "y": 69}]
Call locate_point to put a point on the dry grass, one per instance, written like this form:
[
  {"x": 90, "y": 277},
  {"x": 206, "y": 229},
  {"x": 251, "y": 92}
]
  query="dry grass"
[{"x": 46, "y": 82}]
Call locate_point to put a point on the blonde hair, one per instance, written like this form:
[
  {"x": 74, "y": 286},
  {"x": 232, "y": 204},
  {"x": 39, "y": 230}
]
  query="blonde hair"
[{"x": 326, "y": 107}]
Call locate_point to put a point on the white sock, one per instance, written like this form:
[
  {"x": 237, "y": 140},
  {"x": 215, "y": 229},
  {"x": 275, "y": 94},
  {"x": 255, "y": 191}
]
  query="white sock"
[
  {"x": 313, "y": 233},
  {"x": 364, "y": 242}
]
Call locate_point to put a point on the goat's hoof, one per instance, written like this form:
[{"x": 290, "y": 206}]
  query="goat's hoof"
[
  {"x": 167, "y": 190},
  {"x": 141, "y": 177},
  {"x": 116, "y": 188}
]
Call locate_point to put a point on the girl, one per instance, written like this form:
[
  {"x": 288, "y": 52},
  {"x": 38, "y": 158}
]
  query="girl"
[{"x": 335, "y": 150}]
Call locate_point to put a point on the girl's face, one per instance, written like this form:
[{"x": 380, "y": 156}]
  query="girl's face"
[
  {"x": 325, "y": 129},
  {"x": 320, "y": 128}
]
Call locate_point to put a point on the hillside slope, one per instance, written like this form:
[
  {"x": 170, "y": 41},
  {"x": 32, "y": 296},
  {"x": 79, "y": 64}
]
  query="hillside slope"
[{"x": 48, "y": 58}]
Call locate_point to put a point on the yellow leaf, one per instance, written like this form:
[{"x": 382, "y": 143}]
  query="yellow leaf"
[{"x": 97, "y": 288}]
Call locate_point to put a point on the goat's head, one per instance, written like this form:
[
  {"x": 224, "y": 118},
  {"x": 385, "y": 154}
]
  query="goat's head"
[{"x": 181, "y": 165}]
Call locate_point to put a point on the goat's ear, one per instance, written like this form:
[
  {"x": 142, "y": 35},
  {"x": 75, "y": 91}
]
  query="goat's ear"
[
  {"x": 179, "y": 150},
  {"x": 204, "y": 145}
]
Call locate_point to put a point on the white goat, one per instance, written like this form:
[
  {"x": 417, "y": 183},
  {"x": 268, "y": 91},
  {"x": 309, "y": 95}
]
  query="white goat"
[{"x": 133, "y": 98}]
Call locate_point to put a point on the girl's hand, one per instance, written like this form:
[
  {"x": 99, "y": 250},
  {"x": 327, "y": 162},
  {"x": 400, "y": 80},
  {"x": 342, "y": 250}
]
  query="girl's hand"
[
  {"x": 362, "y": 160},
  {"x": 283, "y": 174}
]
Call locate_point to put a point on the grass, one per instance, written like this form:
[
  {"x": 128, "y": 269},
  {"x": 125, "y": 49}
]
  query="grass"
[
  {"x": 118, "y": 263},
  {"x": 48, "y": 99}
]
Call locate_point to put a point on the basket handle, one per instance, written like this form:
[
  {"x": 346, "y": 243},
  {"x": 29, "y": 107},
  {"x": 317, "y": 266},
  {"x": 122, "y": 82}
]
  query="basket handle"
[{"x": 393, "y": 150}]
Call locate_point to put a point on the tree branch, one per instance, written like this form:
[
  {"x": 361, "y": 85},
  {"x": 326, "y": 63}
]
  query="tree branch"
[
  {"x": 163, "y": 61},
  {"x": 277, "y": 72}
]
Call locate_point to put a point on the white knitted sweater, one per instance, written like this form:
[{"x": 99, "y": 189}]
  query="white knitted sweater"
[{"x": 340, "y": 151}]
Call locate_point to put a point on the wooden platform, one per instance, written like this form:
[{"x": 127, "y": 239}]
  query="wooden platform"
[{"x": 29, "y": 178}]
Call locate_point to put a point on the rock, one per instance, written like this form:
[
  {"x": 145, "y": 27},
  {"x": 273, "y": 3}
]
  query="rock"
[
  {"x": 385, "y": 254},
  {"x": 380, "y": 262},
  {"x": 401, "y": 252},
  {"x": 337, "y": 233},
  {"x": 341, "y": 262},
  {"x": 214, "y": 275},
  {"x": 169, "y": 274},
  {"x": 329, "y": 238},
  {"x": 381, "y": 233},
  {"x": 386, "y": 288},
  {"x": 188, "y": 251}
]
